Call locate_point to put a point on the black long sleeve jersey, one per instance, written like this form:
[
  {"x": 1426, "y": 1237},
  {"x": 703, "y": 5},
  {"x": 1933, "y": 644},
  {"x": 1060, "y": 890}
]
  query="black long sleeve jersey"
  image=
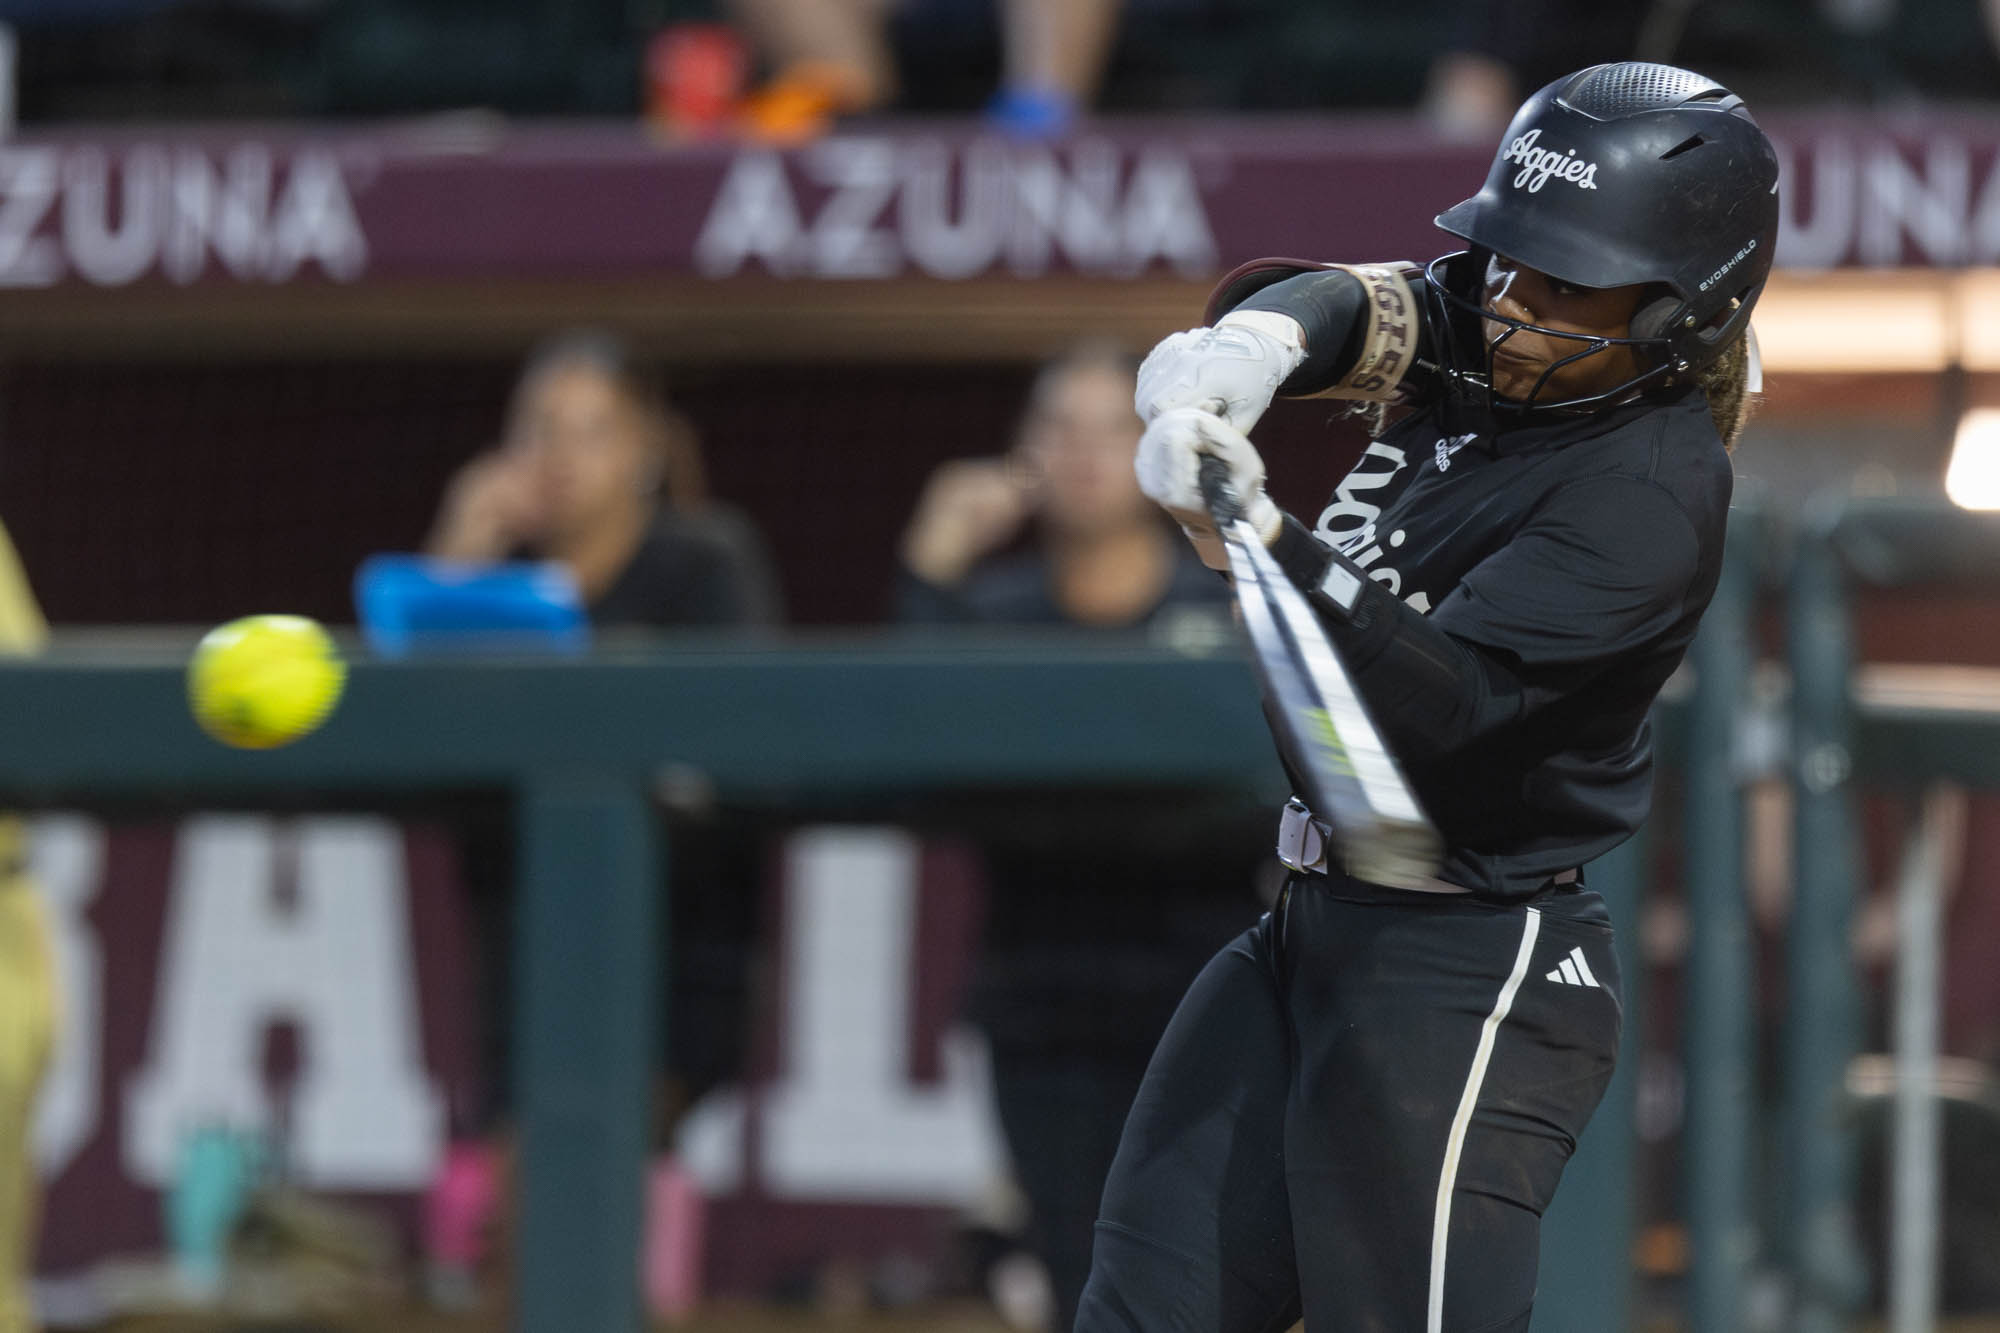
[{"x": 1526, "y": 594}]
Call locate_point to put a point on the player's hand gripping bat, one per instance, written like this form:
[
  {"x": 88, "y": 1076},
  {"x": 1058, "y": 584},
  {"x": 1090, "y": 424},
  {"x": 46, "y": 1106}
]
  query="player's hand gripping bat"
[{"x": 1353, "y": 781}]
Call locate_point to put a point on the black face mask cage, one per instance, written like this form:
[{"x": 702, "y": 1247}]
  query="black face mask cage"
[{"x": 1465, "y": 357}]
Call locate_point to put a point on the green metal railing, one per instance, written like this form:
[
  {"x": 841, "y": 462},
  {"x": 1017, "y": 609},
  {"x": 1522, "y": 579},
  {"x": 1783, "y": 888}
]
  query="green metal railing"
[
  {"x": 1838, "y": 743},
  {"x": 1720, "y": 1014},
  {"x": 580, "y": 744}
]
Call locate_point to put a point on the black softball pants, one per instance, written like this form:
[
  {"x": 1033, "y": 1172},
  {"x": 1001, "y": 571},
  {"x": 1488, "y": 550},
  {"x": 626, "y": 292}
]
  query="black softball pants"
[{"x": 1359, "y": 1113}]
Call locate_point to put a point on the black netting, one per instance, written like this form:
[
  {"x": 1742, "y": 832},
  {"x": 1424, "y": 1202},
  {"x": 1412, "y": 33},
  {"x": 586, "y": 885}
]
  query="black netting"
[
  {"x": 189, "y": 492},
  {"x": 1611, "y": 91}
]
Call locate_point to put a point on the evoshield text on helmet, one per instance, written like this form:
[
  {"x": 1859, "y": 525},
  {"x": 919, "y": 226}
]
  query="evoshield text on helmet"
[{"x": 1623, "y": 174}]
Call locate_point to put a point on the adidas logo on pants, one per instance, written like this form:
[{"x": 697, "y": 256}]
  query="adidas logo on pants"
[{"x": 1574, "y": 971}]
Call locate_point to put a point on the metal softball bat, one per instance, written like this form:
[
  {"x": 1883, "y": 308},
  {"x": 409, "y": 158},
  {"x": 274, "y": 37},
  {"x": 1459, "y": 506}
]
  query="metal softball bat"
[{"x": 1354, "y": 782}]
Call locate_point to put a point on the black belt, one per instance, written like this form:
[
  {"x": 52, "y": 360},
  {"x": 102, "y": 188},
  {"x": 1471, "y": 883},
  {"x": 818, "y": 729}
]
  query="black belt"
[{"x": 1303, "y": 842}]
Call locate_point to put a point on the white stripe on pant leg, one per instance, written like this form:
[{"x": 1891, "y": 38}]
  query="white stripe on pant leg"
[{"x": 1454, "y": 1144}]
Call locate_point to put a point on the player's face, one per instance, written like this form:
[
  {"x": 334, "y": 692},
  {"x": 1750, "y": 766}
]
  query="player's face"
[
  {"x": 585, "y": 445},
  {"x": 1077, "y": 445},
  {"x": 1521, "y": 356}
]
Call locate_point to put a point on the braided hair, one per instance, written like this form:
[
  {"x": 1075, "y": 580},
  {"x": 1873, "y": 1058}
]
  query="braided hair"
[{"x": 1726, "y": 381}]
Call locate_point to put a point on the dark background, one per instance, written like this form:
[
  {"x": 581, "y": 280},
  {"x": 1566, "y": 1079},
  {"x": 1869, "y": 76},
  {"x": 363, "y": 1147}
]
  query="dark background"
[{"x": 188, "y": 493}]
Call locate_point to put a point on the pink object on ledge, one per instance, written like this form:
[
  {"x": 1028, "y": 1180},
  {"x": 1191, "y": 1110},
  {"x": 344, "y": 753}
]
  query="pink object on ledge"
[
  {"x": 671, "y": 1258},
  {"x": 460, "y": 1207}
]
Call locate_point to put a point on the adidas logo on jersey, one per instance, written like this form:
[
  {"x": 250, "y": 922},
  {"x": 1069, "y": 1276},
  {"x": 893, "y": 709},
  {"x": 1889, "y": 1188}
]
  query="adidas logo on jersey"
[
  {"x": 1574, "y": 971},
  {"x": 1450, "y": 445}
]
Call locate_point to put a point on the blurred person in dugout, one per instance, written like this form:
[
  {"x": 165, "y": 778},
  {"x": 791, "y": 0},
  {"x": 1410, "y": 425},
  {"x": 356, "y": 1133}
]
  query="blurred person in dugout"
[
  {"x": 599, "y": 474},
  {"x": 27, "y": 993},
  {"x": 1088, "y": 936},
  {"x": 1097, "y": 556},
  {"x": 832, "y": 58}
]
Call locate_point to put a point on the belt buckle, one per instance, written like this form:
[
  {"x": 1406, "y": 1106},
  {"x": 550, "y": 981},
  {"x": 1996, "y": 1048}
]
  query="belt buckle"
[{"x": 1301, "y": 842}]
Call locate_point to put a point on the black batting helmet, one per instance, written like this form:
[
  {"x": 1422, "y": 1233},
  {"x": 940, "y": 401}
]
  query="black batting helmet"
[{"x": 1637, "y": 173}]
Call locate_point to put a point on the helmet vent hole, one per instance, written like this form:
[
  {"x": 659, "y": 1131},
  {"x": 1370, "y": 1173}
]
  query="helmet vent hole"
[{"x": 1693, "y": 141}]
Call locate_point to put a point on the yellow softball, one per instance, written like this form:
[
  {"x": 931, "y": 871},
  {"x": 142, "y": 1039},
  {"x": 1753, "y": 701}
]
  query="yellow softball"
[{"x": 264, "y": 681}]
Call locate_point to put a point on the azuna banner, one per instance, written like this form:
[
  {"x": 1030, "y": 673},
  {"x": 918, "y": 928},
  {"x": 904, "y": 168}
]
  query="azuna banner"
[{"x": 917, "y": 200}]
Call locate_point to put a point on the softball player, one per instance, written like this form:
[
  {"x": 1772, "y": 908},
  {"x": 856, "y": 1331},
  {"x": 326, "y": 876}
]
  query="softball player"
[
  {"x": 1363, "y": 1105},
  {"x": 27, "y": 994}
]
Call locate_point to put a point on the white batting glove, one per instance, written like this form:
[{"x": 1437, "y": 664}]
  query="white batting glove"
[
  {"x": 1231, "y": 369},
  {"x": 1169, "y": 468}
]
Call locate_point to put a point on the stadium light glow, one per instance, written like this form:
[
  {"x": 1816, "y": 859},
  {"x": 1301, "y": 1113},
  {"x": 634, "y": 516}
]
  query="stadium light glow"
[{"x": 1972, "y": 478}]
